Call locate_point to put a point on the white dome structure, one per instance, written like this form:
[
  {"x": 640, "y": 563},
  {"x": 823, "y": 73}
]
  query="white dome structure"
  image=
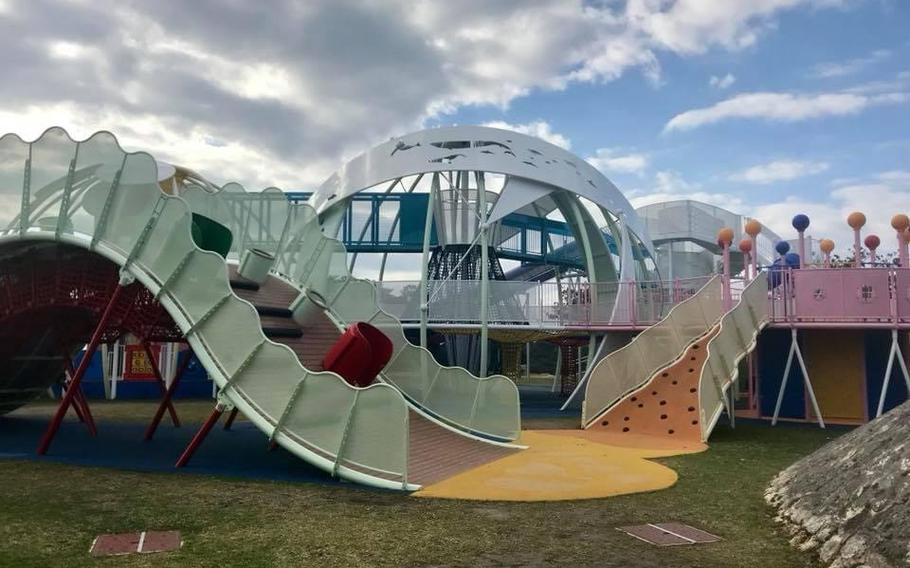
[
  {"x": 485, "y": 195},
  {"x": 520, "y": 174}
]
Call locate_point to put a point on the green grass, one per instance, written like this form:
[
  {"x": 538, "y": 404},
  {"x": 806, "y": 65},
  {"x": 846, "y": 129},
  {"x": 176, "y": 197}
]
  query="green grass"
[{"x": 49, "y": 514}]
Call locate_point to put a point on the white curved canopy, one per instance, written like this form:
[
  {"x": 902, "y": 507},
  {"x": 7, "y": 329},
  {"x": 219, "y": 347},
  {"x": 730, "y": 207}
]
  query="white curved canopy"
[{"x": 538, "y": 164}]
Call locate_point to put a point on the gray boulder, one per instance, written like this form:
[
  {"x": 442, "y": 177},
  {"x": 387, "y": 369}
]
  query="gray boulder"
[{"x": 850, "y": 500}]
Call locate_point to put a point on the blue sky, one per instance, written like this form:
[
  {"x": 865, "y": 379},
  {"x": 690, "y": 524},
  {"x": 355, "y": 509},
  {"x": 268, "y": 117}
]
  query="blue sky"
[
  {"x": 767, "y": 107},
  {"x": 754, "y": 164}
]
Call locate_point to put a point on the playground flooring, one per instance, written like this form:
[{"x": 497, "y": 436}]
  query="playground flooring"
[
  {"x": 564, "y": 465},
  {"x": 50, "y": 510}
]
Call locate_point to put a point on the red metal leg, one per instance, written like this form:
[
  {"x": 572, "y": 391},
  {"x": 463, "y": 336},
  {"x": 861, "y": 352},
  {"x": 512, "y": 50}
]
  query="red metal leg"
[
  {"x": 67, "y": 398},
  {"x": 80, "y": 403},
  {"x": 200, "y": 436},
  {"x": 76, "y": 406},
  {"x": 168, "y": 395},
  {"x": 162, "y": 386},
  {"x": 230, "y": 419}
]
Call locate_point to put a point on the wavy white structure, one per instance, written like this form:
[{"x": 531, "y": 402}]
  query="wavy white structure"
[{"x": 93, "y": 195}]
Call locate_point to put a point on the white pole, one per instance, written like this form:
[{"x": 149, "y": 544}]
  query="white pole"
[
  {"x": 783, "y": 385},
  {"x": 424, "y": 267},
  {"x": 894, "y": 353},
  {"x": 528, "y": 362},
  {"x": 886, "y": 382},
  {"x": 558, "y": 369},
  {"x": 484, "y": 273}
]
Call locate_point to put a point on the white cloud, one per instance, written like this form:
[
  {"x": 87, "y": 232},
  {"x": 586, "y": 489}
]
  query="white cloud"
[
  {"x": 877, "y": 199},
  {"x": 669, "y": 185},
  {"x": 722, "y": 82},
  {"x": 781, "y": 107},
  {"x": 614, "y": 160},
  {"x": 779, "y": 170},
  {"x": 288, "y": 89},
  {"x": 539, "y": 128},
  {"x": 831, "y": 69}
]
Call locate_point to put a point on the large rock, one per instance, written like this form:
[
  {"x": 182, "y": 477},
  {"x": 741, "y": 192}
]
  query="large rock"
[{"x": 850, "y": 500}]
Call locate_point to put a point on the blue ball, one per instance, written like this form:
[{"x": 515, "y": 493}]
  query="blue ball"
[
  {"x": 800, "y": 222},
  {"x": 782, "y": 247},
  {"x": 792, "y": 259}
]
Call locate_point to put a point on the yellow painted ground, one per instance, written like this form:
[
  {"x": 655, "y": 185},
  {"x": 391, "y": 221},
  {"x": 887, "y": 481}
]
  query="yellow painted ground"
[{"x": 562, "y": 465}]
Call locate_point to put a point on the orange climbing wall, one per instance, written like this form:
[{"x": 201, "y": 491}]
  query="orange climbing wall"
[{"x": 668, "y": 405}]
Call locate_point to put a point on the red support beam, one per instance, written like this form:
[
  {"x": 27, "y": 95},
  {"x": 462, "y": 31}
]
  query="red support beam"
[
  {"x": 230, "y": 419},
  {"x": 200, "y": 436},
  {"x": 162, "y": 386},
  {"x": 76, "y": 381},
  {"x": 168, "y": 395},
  {"x": 80, "y": 404}
]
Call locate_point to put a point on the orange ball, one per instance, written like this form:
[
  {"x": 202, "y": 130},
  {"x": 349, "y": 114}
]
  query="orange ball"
[
  {"x": 745, "y": 245},
  {"x": 826, "y": 245},
  {"x": 725, "y": 235},
  {"x": 856, "y": 220},
  {"x": 753, "y": 228},
  {"x": 900, "y": 222}
]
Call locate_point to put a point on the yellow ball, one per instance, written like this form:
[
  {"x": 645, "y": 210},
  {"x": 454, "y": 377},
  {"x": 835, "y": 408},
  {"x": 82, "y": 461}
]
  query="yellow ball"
[
  {"x": 753, "y": 228},
  {"x": 725, "y": 235},
  {"x": 856, "y": 220},
  {"x": 826, "y": 245},
  {"x": 900, "y": 222}
]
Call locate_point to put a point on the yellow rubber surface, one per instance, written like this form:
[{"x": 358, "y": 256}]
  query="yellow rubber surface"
[{"x": 562, "y": 465}]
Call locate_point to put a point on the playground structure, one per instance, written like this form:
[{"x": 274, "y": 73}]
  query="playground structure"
[
  {"x": 163, "y": 255},
  {"x": 98, "y": 244},
  {"x": 844, "y": 331}
]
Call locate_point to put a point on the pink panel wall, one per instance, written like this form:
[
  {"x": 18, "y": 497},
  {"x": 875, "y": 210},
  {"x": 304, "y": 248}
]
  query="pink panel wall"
[{"x": 841, "y": 294}]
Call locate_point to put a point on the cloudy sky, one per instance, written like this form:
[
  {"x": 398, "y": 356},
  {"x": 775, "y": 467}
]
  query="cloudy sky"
[{"x": 767, "y": 107}]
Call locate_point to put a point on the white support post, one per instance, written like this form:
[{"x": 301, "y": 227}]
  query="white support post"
[
  {"x": 795, "y": 351},
  {"x": 528, "y": 362},
  {"x": 106, "y": 370},
  {"x": 484, "y": 272},
  {"x": 894, "y": 353},
  {"x": 425, "y": 261},
  {"x": 116, "y": 367},
  {"x": 558, "y": 370}
]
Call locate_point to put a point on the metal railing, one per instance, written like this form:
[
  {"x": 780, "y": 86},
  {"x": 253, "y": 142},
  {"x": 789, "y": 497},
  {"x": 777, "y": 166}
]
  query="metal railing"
[{"x": 539, "y": 304}]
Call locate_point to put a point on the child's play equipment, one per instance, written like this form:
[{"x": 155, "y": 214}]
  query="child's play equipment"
[{"x": 95, "y": 248}]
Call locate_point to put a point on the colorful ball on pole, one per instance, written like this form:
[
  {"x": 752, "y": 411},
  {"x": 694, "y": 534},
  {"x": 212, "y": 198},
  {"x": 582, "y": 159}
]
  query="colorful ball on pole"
[
  {"x": 725, "y": 236},
  {"x": 872, "y": 242},
  {"x": 753, "y": 228},
  {"x": 856, "y": 220},
  {"x": 800, "y": 222},
  {"x": 782, "y": 247},
  {"x": 900, "y": 222},
  {"x": 826, "y": 245},
  {"x": 792, "y": 260},
  {"x": 745, "y": 245}
]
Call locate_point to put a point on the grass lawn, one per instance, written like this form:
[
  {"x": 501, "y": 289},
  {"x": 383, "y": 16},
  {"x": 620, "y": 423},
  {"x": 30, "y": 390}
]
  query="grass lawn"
[{"x": 49, "y": 514}]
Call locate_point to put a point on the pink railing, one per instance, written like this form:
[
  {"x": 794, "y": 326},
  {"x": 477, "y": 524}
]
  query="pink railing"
[{"x": 861, "y": 296}]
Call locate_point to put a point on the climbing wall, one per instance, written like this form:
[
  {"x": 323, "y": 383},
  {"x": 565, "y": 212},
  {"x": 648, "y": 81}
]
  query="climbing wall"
[{"x": 667, "y": 406}]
